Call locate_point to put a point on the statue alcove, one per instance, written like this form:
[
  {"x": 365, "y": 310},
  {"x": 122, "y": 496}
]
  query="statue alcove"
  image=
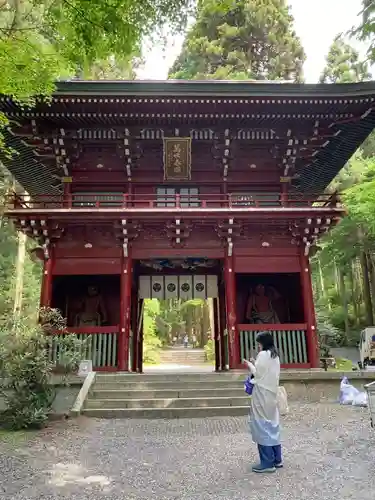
[
  {"x": 88, "y": 301},
  {"x": 269, "y": 298}
]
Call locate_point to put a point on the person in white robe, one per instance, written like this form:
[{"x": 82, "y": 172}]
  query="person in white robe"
[{"x": 264, "y": 413}]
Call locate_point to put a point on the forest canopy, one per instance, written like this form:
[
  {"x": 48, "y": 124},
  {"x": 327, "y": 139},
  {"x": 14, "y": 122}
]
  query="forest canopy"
[{"x": 238, "y": 44}]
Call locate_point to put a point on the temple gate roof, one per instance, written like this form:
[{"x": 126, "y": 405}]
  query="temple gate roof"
[{"x": 316, "y": 128}]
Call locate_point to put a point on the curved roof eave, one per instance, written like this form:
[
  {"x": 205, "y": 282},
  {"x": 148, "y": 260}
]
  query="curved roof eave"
[{"x": 213, "y": 87}]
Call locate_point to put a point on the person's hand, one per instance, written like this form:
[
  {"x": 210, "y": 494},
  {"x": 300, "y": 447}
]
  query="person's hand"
[{"x": 252, "y": 360}]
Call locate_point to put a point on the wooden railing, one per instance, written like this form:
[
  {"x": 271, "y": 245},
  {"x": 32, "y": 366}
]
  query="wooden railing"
[
  {"x": 100, "y": 348},
  {"x": 290, "y": 341},
  {"x": 171, "y": 202}
]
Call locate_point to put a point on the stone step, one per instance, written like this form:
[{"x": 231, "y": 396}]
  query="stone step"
[
  {"x": 181, "y": 357},
  {"x": 165, "y": 393},
  {"x": 183, "y": 354},
  {"x": 169, "y": 376},
  {"x": 184, "y": 362},
  {"x": 139, "y": 386},
  {"x": 167, "y": 413},
  {"x": 157, "y": 376},
  {"x": 167, "y": 403},
  {"x": 182, "y": 351}
]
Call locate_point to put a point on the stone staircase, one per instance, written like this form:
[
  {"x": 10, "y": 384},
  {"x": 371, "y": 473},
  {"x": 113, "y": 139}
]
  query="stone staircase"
[
  {"x": 167, "y": 395},
  {"x": 182, "y": 356}
]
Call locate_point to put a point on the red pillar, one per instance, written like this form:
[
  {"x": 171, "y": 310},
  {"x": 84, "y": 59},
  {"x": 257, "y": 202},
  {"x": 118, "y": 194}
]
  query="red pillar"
[
  {"x": 284, "y": 194},
  {"x": 216, "y": 334},
  {"x": 140, "y": 337},
  {"x": 134, "y": 321},
  {"x": 125, "y": 315},
  {"x": 308, "y": 305},
  {"x": 46, "y": 289},
  {"x": 230, "y": 296},
  {"x": 222, "y": 326},
  {"x": 67, "y": 195}
]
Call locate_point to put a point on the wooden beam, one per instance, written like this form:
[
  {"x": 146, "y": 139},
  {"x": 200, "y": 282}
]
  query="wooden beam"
[
  {"x": 125, "y": 314},
  {"x": 231, "y": 319}
]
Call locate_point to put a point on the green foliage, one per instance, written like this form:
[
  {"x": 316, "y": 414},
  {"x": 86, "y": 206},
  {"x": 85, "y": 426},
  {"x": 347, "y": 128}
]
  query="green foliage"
[
  {"x": 343, "y": 64},
  {"x": 366, "y": 30},
  {"x": 25, "y": 369},
  {"x": 328, "y": 334},
  {"x": 42, "y": 41},
  {"x": 112, "y": 68},
  {"x": 8, "y": 251},
  {"x": 343, "y": 365},
  {"x": 343, "y": 270},
  {"x": 249, "y": 39},
  {"x": 360, "y": 199},
  {"x": 209, "y": 350},
  {"x": 151, "y": 342},
  {"x": 346, "y": 257},
  {"x": 163, "y": 320}
]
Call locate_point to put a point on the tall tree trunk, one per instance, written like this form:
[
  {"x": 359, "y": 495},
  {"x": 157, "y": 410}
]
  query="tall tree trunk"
[
  {"x": 20, "y": 267},
  {"x": 344, "y": 301},
  {"x": 206, "y": 324},
  {"x": 210, "y": 303},
  {"x": 366, "y": 289},
  {"x": 189, "y": 321},
  {"x": 354, "y": 291},
  {"x": 370, "y": 260},
  {"x": 323, "y": 287},
  {"x": 337, "y": 277}
]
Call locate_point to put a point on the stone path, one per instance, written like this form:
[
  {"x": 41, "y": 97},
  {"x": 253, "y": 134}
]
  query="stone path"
[{"x": 329, "y": 454}]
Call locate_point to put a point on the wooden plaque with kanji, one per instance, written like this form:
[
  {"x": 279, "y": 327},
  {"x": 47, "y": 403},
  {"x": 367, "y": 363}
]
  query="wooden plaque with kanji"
[{"x": 177, "y": 158}]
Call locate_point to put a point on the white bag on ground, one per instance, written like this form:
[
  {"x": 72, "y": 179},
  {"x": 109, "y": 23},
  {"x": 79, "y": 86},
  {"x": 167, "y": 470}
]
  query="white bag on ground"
[
  {"x": 282, "y": 401},
  {"x": 349, "y": 395},
  {"x": 360, "y": 399},
  {"x": 347, "y": 392}
]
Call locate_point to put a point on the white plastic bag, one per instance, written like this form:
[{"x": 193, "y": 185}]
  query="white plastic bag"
[
  {"x": 347, "y": 392},
  {"x": 349, "y": 395},
  {"x": 360, "y": 399},
  {"x": 282, "y": 401}
]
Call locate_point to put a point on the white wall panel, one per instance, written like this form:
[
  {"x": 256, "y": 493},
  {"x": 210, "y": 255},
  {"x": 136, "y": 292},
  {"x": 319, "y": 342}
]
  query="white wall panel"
[
  {"x": 200, "y": 287},
  {"x": 171, "y": 287},
  {"x": 212, "y": 288},
  {"x": 184, "y": 287},
  {"x": 144, "y": 291},
  {"x": 158, "y": 287}
]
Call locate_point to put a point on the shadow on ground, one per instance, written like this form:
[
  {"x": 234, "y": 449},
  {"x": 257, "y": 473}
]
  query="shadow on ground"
[{"x": 329, "y": 453}]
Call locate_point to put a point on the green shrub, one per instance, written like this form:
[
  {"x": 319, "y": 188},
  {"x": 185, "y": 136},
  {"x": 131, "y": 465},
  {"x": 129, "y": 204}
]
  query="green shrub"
[
  {"x": 209, "y": 350},
  {"x": 25, "y": 369},
  {"x": 328, "y": 334},
  {"x": 151, "y": 342}
]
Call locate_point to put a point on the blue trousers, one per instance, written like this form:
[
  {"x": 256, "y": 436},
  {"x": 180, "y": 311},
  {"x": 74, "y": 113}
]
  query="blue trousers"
[{"x": 269, "y": 455}]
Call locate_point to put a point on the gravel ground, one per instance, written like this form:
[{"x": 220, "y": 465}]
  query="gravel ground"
[{"x": 329, "y": 454}]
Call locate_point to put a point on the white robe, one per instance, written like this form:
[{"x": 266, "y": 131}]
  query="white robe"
[{"x": 264, "y": 414}]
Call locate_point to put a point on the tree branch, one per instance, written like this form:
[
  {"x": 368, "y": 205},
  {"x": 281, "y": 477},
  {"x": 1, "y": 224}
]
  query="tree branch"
[{"x": 16, "y": 17}]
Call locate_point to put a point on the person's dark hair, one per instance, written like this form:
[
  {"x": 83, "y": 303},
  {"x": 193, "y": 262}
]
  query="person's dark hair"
[{"x": 265, "y": 339}]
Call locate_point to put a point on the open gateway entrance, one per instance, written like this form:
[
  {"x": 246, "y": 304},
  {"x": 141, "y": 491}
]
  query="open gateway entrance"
[{"x": 179, "y": 325}]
